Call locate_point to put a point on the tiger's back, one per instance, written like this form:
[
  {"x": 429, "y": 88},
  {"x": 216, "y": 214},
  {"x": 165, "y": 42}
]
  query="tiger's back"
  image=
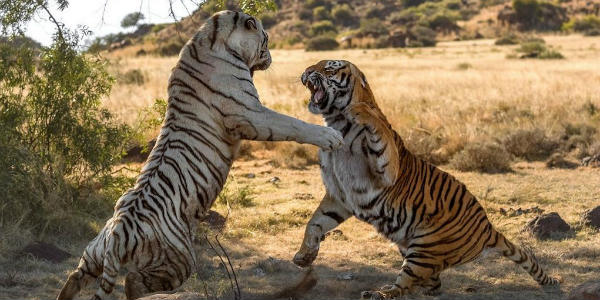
[{"x": 432, "y": 217}]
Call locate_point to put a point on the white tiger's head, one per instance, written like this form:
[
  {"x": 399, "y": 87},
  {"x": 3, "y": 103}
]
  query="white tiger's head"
[
  {"x": 239, "y": 34},
  {"x": 335, "y": 84}
]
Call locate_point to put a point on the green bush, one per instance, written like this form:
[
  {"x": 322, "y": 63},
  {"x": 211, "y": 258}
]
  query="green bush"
[
  {"x": 344, "y": 15},
  {"x": 58, "y": 144},
  {"x": 134, "y": 76},
  {"x": 587, "y": 23},
  {"x": 322, "y": 27},
  {"x": 321, "y": 43},
  {"x": 421, "y": 36},
  {"x": 408, "y": 3},
  {"x": 407, "y": 17},
  {"x": 310, "y": 4},
  {"x": 268, "y": 20},
  {"x": 445, "y": 22},
  {"x": 537, "y": 49},
  {"x": 305, "y": 14},
  {"x": 171, "y": 48},
  {"x": 508, "y": 39},
  {"x": 320, "y": 13},
  {"x": 372, "y": 27},
  {"x": 529, "y": 144},
  {"x": 484, "y": 156},
  {"x": 541, "y": 15}
]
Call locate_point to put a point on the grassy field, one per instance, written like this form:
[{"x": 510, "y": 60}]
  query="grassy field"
[{"x": 440, "y": 100}]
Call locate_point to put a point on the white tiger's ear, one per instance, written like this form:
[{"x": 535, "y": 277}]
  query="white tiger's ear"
[{"x": 251, "y": 24}]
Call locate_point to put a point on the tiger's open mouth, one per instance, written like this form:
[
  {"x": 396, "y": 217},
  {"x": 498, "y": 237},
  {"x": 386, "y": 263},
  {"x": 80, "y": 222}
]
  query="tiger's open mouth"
[{"x": 317, "y": 93}]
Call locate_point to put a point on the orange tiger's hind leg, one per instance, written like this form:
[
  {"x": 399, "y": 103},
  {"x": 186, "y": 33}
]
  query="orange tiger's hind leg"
[
  {"x": 410, "y": 276},
  {"x": 138, "y": 284}
]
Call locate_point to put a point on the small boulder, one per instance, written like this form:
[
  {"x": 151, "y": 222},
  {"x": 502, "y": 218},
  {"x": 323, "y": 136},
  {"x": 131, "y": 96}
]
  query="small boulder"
[
  {"x": 547, "y": 226},
  {"x": 557, "y": 161},
  {"x": 45, "y": 251},
  {"x": 591, "y": 217},
  {"x": 586, "y": 291}
]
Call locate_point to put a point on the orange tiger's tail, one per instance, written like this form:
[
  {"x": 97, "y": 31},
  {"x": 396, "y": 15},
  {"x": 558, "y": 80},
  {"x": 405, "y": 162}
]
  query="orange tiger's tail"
[{"x": 525, "y": 259}]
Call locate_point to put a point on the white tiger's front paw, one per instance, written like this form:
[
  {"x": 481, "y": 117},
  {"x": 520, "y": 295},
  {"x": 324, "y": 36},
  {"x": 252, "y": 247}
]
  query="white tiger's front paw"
[{"x": 330, "y": 139}]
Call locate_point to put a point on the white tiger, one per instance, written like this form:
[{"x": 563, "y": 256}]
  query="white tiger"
[{"x": 212, "y": 105}]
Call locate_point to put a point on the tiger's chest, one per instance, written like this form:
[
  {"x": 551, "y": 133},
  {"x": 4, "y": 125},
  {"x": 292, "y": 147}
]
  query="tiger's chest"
[{"x": 347, "y": 177}]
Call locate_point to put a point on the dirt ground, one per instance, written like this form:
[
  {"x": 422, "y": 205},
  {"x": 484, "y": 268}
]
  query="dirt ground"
[{"x": 262, "y": 236}]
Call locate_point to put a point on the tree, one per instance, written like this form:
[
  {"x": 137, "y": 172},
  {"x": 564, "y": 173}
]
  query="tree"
[{"x": 132, "y": 19}]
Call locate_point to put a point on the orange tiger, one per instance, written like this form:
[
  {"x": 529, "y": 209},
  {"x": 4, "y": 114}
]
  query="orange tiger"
[{"x": 432, "y": 217}]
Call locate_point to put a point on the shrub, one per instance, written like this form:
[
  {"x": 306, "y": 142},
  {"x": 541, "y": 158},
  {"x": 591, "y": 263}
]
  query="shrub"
[
  {"x": 551, "y": 54},
  {"x": 484, "y": 156},
  {"x": 585, "y": 24},
  {"x": 314, "y": 3},
  {"x": 58, "y": 144},
  {"x": 464, "y": 66},
  {"x": 268, "y": 20},
  {"x": 376, "y": 12},
  {"x": 542, "y": 15},
  {"x": 343, "y": 15},
  {"x": 372, "y": 27},
  {"x": 171, "y": 48},
  {"x": 320, "y": 13},
  {"x": 445, "y": 22},
  {"x": 236, "y": 197},
  {"x": 407, "y": 3},
  {"x": 305, "y": 14},
  {"x": 323, "y": 27},
  {"x": 407, "y": 17},
  {"x": 321, "y": 43},
  {"x": 529, "y": 144},
  {"x": 134, "y": 76},
  {"x": 508, "y": 39},
  {"x": 381, "y": 42},
  {"x": 539, "y": 50},
  {"x": 422, "y": 37},
  {"x": 592, "y": 32}
]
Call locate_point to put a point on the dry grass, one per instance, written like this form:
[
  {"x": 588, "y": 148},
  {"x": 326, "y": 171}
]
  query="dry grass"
[{"x": 437, "y": 107}]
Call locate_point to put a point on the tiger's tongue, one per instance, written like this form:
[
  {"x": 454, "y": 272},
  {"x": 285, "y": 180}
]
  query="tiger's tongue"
[{"x": 318, "y": 95}]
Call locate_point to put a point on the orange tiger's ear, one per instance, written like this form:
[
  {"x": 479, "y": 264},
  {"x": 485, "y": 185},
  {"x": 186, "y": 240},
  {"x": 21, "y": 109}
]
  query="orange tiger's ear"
[
  {"x": 251, "y": 24},
  {"x": 363, "y": 79}
]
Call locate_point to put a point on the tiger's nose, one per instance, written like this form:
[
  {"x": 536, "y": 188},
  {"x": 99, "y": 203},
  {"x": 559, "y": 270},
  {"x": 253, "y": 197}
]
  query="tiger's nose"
[{"x": 305, "y": 75}]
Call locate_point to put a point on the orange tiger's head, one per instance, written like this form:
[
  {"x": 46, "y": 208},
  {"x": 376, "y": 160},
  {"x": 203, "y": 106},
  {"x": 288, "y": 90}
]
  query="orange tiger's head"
[{"x": 334, "y": 85}]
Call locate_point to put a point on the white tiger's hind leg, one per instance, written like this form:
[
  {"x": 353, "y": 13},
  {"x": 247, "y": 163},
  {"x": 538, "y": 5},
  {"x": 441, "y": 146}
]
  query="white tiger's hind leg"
[
  {"x": 77, "y": 280},
  {"x": 114, "y": 255}
]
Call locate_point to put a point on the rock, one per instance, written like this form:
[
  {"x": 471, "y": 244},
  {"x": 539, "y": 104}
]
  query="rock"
[
  {"x": 591, "y": 217},
  {"x": 303, "y": 196},
  {"x": 587, "y": 291},
  {"x": 174, "y": 296},
  {"x": 547, "y": 226},
  {"x": 214, "y": 220},
  {"x": 259, "y": 272},
  {"x": 45, "y": 251},
  {"x": 345, "y": 276},
  {"x": 591, "y": 161},
  {"x": 559, "y": 162},
  {"x": 250, "y": 175},
  {"x": 270, "y": 265},
  {"x": 274, "y": 180},
  {"x": 511, "y": 212}
]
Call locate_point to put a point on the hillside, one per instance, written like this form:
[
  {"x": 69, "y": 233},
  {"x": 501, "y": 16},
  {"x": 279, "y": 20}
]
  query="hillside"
[{"x": 326, "y": 25}]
